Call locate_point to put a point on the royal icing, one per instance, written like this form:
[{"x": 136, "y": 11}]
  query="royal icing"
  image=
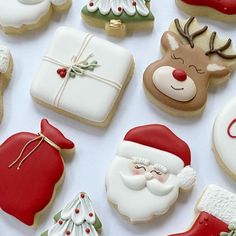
[
  {"x": 224, "y": 136},
  {"x": 217, "y": 213},
  {"x": 224, "y": 6},
  {"x": 78, "y": 218},
  {"x": 25, "y": 12},
  {"x": 130, "y": 7},
  {"x": 80, "y": 79},
  {"x": 31, "y": 168},
  {"x": 4, "y": 59},
  {"x": 180, "y": 79},
  {"x": 150, "y": 167}
]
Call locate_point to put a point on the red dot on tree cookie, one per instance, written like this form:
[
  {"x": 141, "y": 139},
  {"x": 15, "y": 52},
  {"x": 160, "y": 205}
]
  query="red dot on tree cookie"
[
  {"x": 90, "y": 214},
  {"x": 120, "y": 8},
  {"x": 67, "y": 232},
  {"x": 87, "y": 230},
  {"x": 82, "y": 195},
  {"x": 77, "y": 210},
  {"x": 91, "y": 4},
  {"x": 134, "y": 3},
  {"x": 60, "y": 222}
]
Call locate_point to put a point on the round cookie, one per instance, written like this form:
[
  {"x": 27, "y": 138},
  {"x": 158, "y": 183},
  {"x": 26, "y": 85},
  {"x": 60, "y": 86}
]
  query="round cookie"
[
  {"x": 194, "y": 57},
  {"x": 223, "y": 10},
  {"x": 119, "y": 17},
  {"x": 27, "y": 15},
  {"x": 151, "y": 165},
  {"x": 224, "y": 138}
]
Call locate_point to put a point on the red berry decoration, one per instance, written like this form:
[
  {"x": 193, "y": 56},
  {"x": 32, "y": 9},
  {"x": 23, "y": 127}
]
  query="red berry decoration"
[
  {"x": 91, "y": 4},
  {"x": 60, "y": 222},
  {"x": 120, "y": 8},
  {"x": 134, "y": 3},
  {"x": 90, "y": 214},
  {"x": 87, "y": 230},
  {"x": 67, "y": 232},
  {"x": 77, "y": 210},
  {"x": 62, "y": 72},
  {"x": 82, "y": 195}
]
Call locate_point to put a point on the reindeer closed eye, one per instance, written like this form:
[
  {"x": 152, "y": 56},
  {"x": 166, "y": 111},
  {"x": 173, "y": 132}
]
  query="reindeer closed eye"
[{"x": 178, "y": 82}]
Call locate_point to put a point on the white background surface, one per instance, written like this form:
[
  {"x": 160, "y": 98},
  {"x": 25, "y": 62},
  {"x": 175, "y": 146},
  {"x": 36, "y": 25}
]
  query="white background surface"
[{"x": 95, "y": 148}]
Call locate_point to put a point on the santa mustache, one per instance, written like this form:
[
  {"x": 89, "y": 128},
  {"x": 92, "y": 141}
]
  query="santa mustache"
[{"x": 139, "y": 182}]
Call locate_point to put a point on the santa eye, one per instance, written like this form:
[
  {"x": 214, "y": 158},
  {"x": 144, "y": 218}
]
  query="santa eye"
[
  {"x": 174, "y": 57},
  {"x": 199, "y": 71},
  {"x": 140, "y": 167},
  {"x": 156, "y": 172}
]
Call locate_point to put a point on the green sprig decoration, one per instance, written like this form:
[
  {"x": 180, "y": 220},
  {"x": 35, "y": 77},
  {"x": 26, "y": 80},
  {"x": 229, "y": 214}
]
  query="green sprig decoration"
[{"x": 232, "y": 229}]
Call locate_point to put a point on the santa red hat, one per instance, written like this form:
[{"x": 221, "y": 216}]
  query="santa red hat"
[{"x": 159, "y": 145}]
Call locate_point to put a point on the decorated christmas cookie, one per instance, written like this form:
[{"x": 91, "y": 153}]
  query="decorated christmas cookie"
[
  {"x": 78, "y": 79},
  {"x": 31, "y": 167},
  {"x": 78, "y": 218},
  {"x": 224, "y": 138},
  {"x": 6, "y": 67},
  {"x": 119, "y": 16},
  {"x": 215, "y": 214},
  {"x": 224, "y": 10},
  {"x": 151, "y": 165},
  {"x": 18, "y": 16},
  {"x": 194, "y": 57}
]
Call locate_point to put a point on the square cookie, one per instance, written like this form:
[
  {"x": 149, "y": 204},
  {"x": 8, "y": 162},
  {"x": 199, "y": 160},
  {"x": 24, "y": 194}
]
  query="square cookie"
[{"x": 83, "y": 76}]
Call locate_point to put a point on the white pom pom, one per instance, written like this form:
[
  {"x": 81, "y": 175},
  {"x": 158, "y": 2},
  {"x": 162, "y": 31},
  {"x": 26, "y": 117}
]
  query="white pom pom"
[{"x": 187, "y": 178}]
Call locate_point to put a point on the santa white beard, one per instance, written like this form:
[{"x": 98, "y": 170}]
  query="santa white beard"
[{"x": 138, "y": 205}]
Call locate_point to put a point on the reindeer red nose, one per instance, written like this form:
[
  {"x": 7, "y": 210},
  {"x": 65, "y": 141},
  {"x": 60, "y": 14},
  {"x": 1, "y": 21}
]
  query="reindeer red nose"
[{"x": 179, "y": 75}]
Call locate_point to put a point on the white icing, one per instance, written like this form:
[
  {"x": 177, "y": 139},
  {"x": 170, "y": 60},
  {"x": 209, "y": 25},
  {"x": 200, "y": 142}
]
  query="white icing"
[
  {"x": 187, "y": 178},
  {"x": 215, "y": 67},
  {"x": 218, "y": 202},
  {"x": 164, "y": 81},
  {"x": 4, "y": 59},
  {"x": 105, "y": 6},
  {"x": 173, "y": 163},
  {"x": 174, "y": 45},
  {"x": 76, "y": 223},
  {"x": 25, "y": 12},
  {"x": 138, "y": 205},
  {"x": 224, "y": 144},
  {"x": 83, "y": 96}
]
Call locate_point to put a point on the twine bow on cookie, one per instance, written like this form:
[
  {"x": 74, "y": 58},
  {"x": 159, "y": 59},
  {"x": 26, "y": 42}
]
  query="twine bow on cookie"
[
  {"x": 79, "y": 68},
  {"x": 40, "y": 138},
  {"x": 232, "y": 230}
]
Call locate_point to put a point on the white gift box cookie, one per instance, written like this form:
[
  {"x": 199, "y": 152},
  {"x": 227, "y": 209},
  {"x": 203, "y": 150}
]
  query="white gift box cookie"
[
  {"x": 224, "y": 138},
  {"x": 83, "y": 76},
  {"x": 18, "y": 16}
]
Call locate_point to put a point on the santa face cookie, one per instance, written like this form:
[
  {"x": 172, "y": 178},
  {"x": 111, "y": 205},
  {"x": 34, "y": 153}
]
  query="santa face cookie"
[
  {"x": 224, "y": 10},
  {"x": 216, "y": 214},
  {"x": 224, "y": 138},
  {"x": 78, "y": 218},
  {"x": 151, "y": 165},
  {"x": 31, "y": 167},
  {"x": 6, "y": 67},
  {"x": 194, "y": 57},
  {"x": 119, "y": 17},
  {"x": 78, "y": 78},
  {"x": 18, "y": 16}
]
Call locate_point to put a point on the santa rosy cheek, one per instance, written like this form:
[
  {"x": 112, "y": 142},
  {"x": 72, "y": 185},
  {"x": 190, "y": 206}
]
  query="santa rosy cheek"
[
  {"x": 161, "y": 178},
  {"x": 136, "y": 172}
]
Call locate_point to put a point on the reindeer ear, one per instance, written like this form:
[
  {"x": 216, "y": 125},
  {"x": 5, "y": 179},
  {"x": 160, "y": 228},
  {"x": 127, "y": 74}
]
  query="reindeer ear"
[
  {"x": 170, "y": 41},
  {"x": 217, "y": 70}
]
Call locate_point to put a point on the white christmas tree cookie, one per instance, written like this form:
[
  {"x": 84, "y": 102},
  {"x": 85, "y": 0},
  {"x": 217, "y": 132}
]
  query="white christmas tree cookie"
[
  {"x": 78, "y": 218},
  {"x": 151, "y": 165},
  {"x": 216, "y": 214},
  {"x": 18, "y": 16},
  {"x": 119, "y": 16},
  {"x": 6, "y": 67},
  {"x": 224, "y": 138},
  {"x": 83, "y": 76}
]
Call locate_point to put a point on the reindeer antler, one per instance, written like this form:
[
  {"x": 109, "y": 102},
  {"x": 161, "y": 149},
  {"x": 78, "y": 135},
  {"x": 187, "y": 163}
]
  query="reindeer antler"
[
  {"x": 185, "y": 32},
  {"x": 219, "y": 51}
]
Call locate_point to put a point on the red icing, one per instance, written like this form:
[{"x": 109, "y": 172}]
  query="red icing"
[
  {"x": 229, "y": 129},
  {"x": 225, "y": 6},
  {"x": 160, "y": 137},
  {"x": 205, "y": 225},
  {"x": 26, "y": 191}
]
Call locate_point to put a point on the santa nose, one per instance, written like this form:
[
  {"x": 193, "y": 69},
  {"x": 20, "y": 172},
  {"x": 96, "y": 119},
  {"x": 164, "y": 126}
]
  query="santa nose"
[
  {"x": 148, "y": 176},
  {"x": 179, "y": 75}
]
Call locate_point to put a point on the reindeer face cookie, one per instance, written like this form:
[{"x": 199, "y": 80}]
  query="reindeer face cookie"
[
  {"x": 28, "y": 14},
  {"x": 194, "y": 57},
  {"x": 224, "y": 138},
  {"x": 151, "y": 165},
  {"x": 119, "y": 17},
  {"x": 224, "y": 10}
]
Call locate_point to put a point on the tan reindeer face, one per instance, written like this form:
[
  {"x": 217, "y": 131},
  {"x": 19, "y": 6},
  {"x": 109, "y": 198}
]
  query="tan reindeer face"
[{"x": 181, "y": 78}]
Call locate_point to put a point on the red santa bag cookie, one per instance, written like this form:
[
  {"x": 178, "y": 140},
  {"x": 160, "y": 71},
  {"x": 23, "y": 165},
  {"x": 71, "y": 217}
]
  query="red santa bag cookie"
[
  {"x": 151, "y": 166},
  {"x": 30, "y": 169},
  {"x": 216, "y": 214}
]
